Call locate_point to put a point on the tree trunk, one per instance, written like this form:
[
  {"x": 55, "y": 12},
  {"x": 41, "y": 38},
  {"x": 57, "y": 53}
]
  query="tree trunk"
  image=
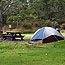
[
  {"x": 1, "y": 15},
  {"x": 0, "y": 19}
]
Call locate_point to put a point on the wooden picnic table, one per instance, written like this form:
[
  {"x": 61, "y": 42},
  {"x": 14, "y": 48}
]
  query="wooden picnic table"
[{"x": 13, "y": 35}]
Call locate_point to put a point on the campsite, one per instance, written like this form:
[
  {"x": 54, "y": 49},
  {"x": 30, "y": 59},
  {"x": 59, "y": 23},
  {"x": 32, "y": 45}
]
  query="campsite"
[
  {"x": 32, "y": 32},
  {"x": 23, "y": 53}
]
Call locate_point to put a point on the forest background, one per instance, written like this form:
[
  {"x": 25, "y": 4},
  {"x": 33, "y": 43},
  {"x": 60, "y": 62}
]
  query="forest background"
[{"x": 29, "y": 15}]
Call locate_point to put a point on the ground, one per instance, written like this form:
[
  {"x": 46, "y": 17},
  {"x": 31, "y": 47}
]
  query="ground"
[{"x": 22, "y": 53}]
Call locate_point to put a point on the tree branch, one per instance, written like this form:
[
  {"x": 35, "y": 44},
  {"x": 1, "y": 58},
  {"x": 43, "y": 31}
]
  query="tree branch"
[{"x": 8, "y": 6}]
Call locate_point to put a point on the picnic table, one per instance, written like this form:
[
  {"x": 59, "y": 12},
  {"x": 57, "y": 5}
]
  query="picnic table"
[{"x": 12, "y": 35}]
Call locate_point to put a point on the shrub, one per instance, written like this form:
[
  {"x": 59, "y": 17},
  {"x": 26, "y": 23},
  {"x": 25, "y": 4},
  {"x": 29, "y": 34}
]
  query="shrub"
[
  {"x": 63, "y": 26},
  {"x": 27, "y": 26}
]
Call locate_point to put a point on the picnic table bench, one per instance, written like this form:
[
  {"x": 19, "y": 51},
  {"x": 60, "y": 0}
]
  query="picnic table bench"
[
  {"x": 8, "y": 37},
  {"x": 12, "y": 35}
]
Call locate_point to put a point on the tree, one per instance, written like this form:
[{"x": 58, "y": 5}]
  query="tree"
[
  {"x": 3, "y": 11},
  {"x": 0, "y": 14},
  {"x": 32, "y": 11}
]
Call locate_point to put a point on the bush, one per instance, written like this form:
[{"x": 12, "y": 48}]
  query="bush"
[
  {"x": 63, "y": 26},
  {"x": 27, "y": 25},
  {"x": 62, "y": 31},
  {"x": 51, "y": 23}
]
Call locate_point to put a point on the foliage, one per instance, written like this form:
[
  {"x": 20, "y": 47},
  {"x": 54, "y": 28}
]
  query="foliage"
[
  {"x": 45, "y": 12},
  {"x": 63, "y": 26},
  {"x": 27, "y": 25},
  {"x": 22, "y": 53}
]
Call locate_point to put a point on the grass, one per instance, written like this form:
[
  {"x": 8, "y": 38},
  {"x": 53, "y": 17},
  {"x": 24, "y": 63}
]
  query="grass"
[
  {"x": 63, "y": 34},
  {"x": 27, "y": 34},
  {"x": 22, "y": 53}
]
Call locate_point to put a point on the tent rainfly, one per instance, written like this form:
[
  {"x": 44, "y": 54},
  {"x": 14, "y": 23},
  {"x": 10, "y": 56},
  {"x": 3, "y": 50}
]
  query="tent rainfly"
[{"x": 46, "y": 35}]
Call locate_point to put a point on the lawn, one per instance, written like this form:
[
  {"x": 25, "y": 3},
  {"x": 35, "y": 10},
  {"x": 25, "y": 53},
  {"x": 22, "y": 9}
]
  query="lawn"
[
  {"x": 63, "y": 34},
  {"x": 22, "y": 53},
  {"x": 27, "y": 36}
]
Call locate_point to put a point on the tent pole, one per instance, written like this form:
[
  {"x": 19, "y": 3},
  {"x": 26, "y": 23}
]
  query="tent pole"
[{"x": 56, "y": 38}]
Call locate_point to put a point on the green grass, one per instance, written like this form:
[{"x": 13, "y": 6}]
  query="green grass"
[
  {"x": 22, "y": 53},
  {"x": 63, "y": 34},
  {"x": 27, "y": 34}
]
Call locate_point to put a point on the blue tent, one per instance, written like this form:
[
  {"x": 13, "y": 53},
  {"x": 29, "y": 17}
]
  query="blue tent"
[{"x": 47, "y": 34}]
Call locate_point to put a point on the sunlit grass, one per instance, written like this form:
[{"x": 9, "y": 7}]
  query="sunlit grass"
[
  {"x": 63, "y": 34},
  {"x": 27, "y": 34},
  {"x": 22, "y": 53}
]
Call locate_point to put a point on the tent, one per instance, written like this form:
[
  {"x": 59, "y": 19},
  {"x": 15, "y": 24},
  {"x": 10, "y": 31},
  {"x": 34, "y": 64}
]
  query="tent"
[{"x": 46, "y": 35}]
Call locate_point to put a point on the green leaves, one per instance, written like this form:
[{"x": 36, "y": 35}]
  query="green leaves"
[{"x": 36, "y": 11}]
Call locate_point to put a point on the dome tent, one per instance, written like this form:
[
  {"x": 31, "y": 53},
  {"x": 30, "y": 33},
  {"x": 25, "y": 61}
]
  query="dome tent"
[{"x": 46, "y": 35}]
